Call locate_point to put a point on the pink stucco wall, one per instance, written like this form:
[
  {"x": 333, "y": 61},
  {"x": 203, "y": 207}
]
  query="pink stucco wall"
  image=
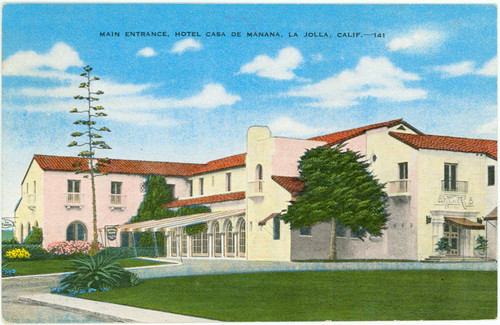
[
  {"x": 57, "y": 216},
  {"x": 286, "y": 155}
]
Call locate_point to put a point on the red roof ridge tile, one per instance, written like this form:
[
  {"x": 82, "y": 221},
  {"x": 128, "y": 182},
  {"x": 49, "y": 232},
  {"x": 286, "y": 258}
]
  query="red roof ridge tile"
[{"x": 341, "y": 136}]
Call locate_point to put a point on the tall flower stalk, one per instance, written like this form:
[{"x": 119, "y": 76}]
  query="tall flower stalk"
[{"x": 91, "y": 136}]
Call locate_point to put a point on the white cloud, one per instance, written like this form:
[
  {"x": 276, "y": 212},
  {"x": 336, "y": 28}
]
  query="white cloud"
[
  {"x": 418, "y": 41},
  {"x": 279, "y": 68},
  {"x": 188, "y": 44},
  {"x": 317, "y": 57},
  {"x": 285, "y": 126},
  {"x": 147, "y": 52},
  {"x": 212, "y": 96},
  {"x": 463, "y": 68},
  {"x": 53, "y": 64},
  {"x": 490, "y": 68},
  {"x": 489, "y": 128},
  {"x": 372, "y": 77},
  {"x": 457, "y": 69}
]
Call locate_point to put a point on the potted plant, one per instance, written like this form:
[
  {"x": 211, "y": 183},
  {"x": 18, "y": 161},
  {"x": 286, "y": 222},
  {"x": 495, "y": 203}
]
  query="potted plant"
[
  {"x": 442, "y": 246},
  {"x": 481, "y": 245}
]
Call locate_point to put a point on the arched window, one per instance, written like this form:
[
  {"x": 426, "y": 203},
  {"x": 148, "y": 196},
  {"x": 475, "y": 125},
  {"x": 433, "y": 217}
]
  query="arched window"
[
  {"x": 22, "y": 233},
  {"x": 217, "y": 239},
  {"x": 258, "y": 178},
  {"x": 29, "y": 228},
  {"x": 242, "y": 239},
  {"x": 229, "y": 239},
  {"x": 76, "y": 231},
  {"x": 36, "y": 224}
]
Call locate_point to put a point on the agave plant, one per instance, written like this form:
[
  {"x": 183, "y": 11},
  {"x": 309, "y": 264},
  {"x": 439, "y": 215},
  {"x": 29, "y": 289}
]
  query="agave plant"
[{"x": 98, "y": 272}]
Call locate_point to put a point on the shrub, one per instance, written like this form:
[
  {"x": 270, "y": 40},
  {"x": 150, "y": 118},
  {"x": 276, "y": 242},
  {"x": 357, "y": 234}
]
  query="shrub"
[
  {"x": 35, "y": 236},
  {"x": 148, "y": 241},
  {"x": 36, "y": 251},
  {"x": 443, "y": 245},
  {"x": 70, "y": 248},
  {"x": 10, "y": 241},
  {"x": 482, "y": 243},
  {"x": 195, "y": 229},
  {"x": 127, "y": 252},
  {"x": 17, "y": 254},
  {"x": 5, "y": 270},
  {"x": 97, "y": 272}
]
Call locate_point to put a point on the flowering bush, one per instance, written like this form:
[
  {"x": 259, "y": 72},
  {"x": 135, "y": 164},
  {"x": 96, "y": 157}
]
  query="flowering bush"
[
  {"x": 70, "y": 247},
  {"x": 17, "y": 254}
]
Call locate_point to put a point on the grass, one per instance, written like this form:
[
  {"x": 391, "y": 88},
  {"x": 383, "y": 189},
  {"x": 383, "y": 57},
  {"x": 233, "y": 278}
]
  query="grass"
[
  {"x": 318, "y": 296},
  {"x": 350, "y": 260},
  {"x": 56, "y": 266}
]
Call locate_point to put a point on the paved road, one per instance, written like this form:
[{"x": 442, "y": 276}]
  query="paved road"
[{"x": 16, "y": 311}]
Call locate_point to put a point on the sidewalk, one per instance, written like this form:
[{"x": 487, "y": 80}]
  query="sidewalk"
[{"x": 114, "y": 312}]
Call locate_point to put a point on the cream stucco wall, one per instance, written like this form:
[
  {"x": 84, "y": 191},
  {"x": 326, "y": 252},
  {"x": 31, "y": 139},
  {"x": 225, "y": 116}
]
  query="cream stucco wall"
[
  {"x": 478, "y": 201},
  {"x": 215, "y": 182},
  {"x": 31, "y": 207}
]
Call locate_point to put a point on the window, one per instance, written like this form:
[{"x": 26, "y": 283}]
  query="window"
[
  {"x": 276, "y": 228},
  {"x": 242, "y": 247},
  {"x": 73, "y": 191},
  {"x": 340, "y": 231},
  {"x": 213, "y": 180},
  {"x": 201, "y": 186},
  {"x": 116, "y": 193},
  {"x": 491, "y": 175},
  {"x": 200, "y": 244},
  {"x": 305, "y": 231},
  {"x": 142, "y": 187},
  {"x": 228, "y": 182},
  {"x": 217, "y": 240},
  {"x": 450, "y": 177},
  {"x": 27, "y": 188},
  {"x": 190, "y": 187},
  {"x": 34, "y": 187},
  {"x": 173, "y": 243},
  {"x": 76, "y": 231},
  {"x": 229, "y": 239},
  {"x": 403, "y": 170},
  {"x": 258, "y": 178}
]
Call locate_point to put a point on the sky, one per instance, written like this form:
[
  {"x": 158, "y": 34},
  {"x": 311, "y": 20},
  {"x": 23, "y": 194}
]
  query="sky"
[{"x": 189, "y": 95}]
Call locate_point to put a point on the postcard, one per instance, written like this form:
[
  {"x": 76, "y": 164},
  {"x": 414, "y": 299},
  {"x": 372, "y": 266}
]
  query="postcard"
[{"x": 248, "y": 162}]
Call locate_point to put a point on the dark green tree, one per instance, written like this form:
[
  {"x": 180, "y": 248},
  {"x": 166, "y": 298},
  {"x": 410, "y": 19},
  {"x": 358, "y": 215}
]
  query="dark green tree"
[
  {"x": 92, "y": 141},
  {"x": 339, "y": 188},
  {"x": 153, "y": 204},
  {"x": 35, "y": 236}
]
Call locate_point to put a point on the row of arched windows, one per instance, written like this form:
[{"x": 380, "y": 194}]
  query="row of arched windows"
[
  {"x": 226, "y": 240},
  {"x": 22, "y": 234}
]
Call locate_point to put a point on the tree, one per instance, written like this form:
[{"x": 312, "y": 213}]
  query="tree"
[
  {"x": 153, "y": 204},
  {"x": 35, "y": 236},
  {"x": 338, "y": 189},
  {"x": 90, "y": 135}
]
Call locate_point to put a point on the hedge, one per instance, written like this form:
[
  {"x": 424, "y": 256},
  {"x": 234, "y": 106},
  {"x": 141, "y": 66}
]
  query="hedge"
[{"x": 126, "y": 252}]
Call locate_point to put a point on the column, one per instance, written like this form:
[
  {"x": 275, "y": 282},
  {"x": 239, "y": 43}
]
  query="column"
[
  {"x": 223, "y": 244},
  {"x": 210, "y": 245},
  {"x": 188, "y": 245}
]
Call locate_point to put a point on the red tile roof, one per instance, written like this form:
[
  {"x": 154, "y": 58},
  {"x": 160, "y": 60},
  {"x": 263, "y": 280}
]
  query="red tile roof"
[
  {"x": 492, "y": 215},
  {"x": 437, "y": 142},
  {"x": 223, "y": 163},
  {"x": 207, "y": 199},
  {"x": 141, "y": 167},
  {"x": 118, "y": 166},
  {"x": 338, "y": 137},
  {"x": 291, "y": 184}
]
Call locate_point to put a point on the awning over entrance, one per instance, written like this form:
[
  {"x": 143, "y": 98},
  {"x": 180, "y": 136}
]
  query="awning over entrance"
[
  {"x": 180, "y": 221},
  {"x": 269, "y": 217},
  {"x": 464, "y": 223}
]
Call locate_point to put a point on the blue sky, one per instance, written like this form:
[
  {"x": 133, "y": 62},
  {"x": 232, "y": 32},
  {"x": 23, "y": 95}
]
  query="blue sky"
[{"x": 191, "y": 99}]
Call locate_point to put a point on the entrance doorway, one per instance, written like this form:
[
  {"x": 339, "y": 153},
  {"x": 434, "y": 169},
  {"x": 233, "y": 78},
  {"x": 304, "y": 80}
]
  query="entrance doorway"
[{"x": 452, "y": 234}]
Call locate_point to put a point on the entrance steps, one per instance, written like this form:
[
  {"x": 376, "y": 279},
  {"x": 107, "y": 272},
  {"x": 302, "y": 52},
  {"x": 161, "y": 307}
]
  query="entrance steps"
[{"x": 447, "y": 259}]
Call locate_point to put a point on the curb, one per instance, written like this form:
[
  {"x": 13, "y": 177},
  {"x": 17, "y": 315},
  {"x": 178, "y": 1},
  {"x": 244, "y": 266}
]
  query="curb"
[{"x": 115, "y": 312}]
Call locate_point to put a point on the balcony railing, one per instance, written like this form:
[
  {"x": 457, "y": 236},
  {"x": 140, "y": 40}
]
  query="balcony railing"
[
  {"x": 117, "y": 201},
  {"x": 256, "y": 188},
  {"x": 454, "y": 186},
  {"x": 73, "y": 199},
  {"x": 398, "y": 187}
]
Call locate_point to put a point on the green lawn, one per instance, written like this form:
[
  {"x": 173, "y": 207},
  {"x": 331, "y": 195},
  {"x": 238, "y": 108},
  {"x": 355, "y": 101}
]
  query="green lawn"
[
  {"x": 56, "y": 266},
  {"x": 318, "y": 296}
]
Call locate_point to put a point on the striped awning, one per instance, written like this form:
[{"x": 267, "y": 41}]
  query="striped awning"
[{"x": 182, "y": 221}]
